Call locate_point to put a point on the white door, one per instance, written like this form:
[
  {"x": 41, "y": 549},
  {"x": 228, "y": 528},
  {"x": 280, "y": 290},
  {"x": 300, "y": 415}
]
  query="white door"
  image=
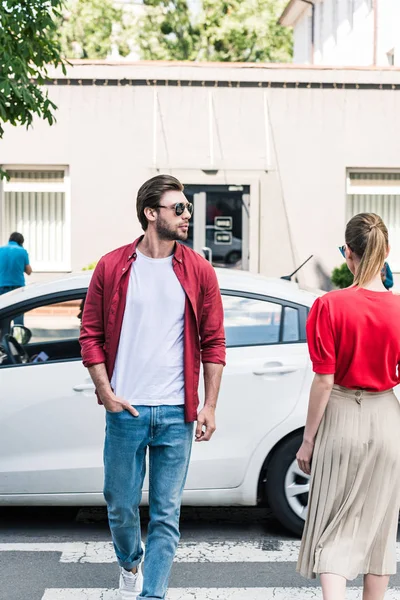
[
  {"x": 267, "y": 362},
  {"x": 51, "y": 426}
]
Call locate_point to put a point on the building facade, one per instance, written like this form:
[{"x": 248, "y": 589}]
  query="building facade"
[
  {"x": 275, "y": 159},
  {"x": 345, "y": 32}
]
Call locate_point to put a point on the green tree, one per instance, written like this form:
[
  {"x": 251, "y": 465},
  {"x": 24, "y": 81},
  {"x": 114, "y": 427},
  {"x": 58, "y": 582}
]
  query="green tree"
[
  {"x": 166, "y": 31},
  {"x": 90, "y": 267},
  {"x": 245, "y": 31},
  {"x": 90, "y": 28},
  {"x": 224, "y": 30},
  {"x": 28, "y": 44},
  {"x": 342, "y": 277}
]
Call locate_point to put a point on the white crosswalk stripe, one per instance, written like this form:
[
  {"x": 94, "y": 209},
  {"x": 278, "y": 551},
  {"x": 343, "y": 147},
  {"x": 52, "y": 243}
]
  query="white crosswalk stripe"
[
  {"x": 258, "y": 552},
  {"x": 188, "y": 552},
  {"x": 191, "y": 552},
  {"x": 213, "y": 594}
]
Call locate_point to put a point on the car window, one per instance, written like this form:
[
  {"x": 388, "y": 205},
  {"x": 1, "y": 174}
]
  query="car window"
[
  {"x": 48, "y": 332},
  {"x": 291, "y": 325},
  {"x": 251, "y": 322},
  {"x": 55, "y": 322}
]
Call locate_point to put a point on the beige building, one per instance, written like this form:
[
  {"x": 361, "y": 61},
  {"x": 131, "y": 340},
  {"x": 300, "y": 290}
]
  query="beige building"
[
  {"x": 275, "y": 158},
  {"x": 344, "y": 32}
]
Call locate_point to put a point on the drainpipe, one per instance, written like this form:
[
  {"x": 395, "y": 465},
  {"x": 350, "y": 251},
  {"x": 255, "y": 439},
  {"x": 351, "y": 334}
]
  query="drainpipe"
[
  {"x": 375, "y": 49},
  {"x": 313, "y": 27}
]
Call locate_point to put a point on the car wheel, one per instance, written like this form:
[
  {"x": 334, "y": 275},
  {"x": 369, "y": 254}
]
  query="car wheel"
[
  {"x": 233, "y": 257},
  {"x": 287, "y": 487}
]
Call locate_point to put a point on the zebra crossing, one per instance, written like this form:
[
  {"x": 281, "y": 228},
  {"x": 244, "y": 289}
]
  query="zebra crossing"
[
  {"x": 214, "y": 594},
  {"x": 259, "y": 551},
  {"x": 266, "y": 558},
  {"x": 188, "y": 552}
]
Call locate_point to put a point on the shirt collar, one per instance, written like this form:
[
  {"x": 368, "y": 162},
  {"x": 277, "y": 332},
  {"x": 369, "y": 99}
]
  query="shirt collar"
[{"x": 178, "y": 253}]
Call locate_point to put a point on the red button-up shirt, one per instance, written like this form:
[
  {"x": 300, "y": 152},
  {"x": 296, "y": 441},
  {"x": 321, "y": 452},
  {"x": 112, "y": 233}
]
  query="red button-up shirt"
[{"x": 204, "y": 336}]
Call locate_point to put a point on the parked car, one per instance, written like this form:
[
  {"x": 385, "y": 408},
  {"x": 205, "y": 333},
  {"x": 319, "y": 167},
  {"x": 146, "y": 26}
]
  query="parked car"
[
  {"x": 52, "y": 427},
  {"x": 229, "y": 253}
]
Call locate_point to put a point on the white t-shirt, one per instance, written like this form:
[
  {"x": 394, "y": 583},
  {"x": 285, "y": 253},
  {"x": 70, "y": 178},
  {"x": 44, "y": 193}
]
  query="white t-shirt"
[{"x": 149, "y": 363}]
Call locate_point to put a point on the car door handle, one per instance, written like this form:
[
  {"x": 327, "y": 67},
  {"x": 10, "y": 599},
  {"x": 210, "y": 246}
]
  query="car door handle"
[
  {"x": 282, "y": 370},
  {"x": 83, "y": 387}
]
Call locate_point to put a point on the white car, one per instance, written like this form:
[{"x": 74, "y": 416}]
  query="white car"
[{"x": 52, "y": 428}]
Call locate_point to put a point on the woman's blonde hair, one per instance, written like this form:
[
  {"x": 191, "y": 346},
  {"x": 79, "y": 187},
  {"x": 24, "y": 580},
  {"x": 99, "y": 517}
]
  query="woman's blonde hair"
[{"x": 367, "y": 236}]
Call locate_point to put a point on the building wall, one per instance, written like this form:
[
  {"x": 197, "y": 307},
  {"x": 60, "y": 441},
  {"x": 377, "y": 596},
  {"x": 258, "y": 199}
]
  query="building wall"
[
  {"x": 344, "y": 29},
  {"x": 302, "y": 39},
  {"x": 344, "y": 33},
  {"x": 292, "y": 145},
  {"x": 388, "y": 31}
]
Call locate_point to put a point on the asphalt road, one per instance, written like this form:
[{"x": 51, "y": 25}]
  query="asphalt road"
[{"x": 225, "y": 554}]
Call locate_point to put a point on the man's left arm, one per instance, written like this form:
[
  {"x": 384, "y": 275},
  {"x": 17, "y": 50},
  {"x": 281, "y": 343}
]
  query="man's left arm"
[
  {"x": 206, "y": 417},
  {"x": 213, "y": 351},
  {"x": 27, "y": 266}
]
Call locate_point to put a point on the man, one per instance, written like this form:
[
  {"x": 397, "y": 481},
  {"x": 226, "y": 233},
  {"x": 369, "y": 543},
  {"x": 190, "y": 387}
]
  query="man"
[
  {"x": 14, "y": 262},
  {"x": 153, "y": 309}
]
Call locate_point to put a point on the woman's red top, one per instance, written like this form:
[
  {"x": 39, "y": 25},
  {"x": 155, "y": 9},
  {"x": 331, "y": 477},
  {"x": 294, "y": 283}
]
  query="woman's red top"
[{"x": 355, "y": 334}]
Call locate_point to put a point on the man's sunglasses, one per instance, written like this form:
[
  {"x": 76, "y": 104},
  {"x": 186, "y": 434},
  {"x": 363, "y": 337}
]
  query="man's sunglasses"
[{"x": 179, "y": 208}]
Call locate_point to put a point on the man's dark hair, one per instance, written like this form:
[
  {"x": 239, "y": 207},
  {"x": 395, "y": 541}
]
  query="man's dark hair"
[
  {"x": 151, "y": 192},
  {"x": 17, "y": 237}
]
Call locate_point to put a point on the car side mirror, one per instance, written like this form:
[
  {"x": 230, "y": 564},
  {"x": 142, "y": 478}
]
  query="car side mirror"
[{"x": 21, "y": 334}]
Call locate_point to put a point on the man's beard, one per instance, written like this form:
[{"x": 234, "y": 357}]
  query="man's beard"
[{"x": 168, "y": 234}]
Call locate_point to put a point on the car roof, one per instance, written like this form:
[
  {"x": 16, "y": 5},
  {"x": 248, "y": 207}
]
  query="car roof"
[{"x": 229, "y": 279}]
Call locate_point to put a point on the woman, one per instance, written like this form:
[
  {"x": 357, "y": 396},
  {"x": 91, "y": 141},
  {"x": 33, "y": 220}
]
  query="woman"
[{"x": 353, "y": 424}]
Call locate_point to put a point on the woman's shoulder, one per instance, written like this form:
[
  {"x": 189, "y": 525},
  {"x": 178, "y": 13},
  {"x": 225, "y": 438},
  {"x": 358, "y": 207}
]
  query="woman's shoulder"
[
  {"x": 336, "y": 296},
  {"x": 355, "y": 294}
]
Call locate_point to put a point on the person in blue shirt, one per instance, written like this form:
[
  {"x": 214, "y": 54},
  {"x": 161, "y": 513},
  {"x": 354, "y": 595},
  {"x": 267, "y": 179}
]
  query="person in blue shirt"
[{"x": 14, "y": 262}]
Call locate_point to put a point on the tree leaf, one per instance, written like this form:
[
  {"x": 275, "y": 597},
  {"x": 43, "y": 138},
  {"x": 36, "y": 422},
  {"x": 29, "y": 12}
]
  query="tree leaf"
[
  {"x": 225, "y": 30},
  {"x": 29, "y": 45}
]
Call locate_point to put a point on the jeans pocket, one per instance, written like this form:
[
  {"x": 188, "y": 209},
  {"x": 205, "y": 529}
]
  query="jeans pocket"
[
  {"x": 121, "y": 414},
  {"x": 118, "y": 416}
]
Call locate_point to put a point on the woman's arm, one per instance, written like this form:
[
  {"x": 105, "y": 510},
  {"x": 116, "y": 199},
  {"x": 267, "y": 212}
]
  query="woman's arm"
[{"x": 320, "y": 392}]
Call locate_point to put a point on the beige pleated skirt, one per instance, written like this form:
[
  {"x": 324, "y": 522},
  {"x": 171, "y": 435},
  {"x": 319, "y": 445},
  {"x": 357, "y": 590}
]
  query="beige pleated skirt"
[{"x": 354, "y": 501}]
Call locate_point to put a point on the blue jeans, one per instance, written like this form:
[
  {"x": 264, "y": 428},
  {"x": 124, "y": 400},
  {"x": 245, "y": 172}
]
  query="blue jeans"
[{"x": 163, "y": 430}]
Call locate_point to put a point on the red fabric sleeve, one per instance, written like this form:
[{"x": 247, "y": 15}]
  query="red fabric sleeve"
[
  {"x": 320, "y": 339},
  {"x": 92, "y": 331},
  {"x": 212, "y": 333}
]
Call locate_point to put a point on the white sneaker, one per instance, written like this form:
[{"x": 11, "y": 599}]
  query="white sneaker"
[{"x": 130, "y": 584}]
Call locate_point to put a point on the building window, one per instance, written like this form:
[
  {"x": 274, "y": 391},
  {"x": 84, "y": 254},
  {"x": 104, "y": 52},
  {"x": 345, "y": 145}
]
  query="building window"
[
  {"x": 378, "y": 192},
  {"x": 35, "y": 202}
]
